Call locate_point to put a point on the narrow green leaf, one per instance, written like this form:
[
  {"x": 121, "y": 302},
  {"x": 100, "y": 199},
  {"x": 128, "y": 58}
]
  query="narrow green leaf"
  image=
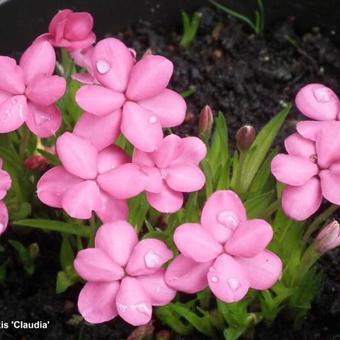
[{"x": 66, "y": 252}]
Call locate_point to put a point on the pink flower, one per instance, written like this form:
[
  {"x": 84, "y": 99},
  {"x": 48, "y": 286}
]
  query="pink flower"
[
  {"x": 225, "y": 252},
  {"x": 172, "y": 169},
  {"x": 319, "y": 103},
  {"x": 328, "y": 238},
  {"x": 138, "y": 89},
  {"x": 28, "y": 91},
  {"x": 70, "y": 30},
  {"x": 5, "y": 184},
  {"x": 90, "y": 180},
  {"x": 125, "y": 276},
  {"x": 310, "y": 171}
]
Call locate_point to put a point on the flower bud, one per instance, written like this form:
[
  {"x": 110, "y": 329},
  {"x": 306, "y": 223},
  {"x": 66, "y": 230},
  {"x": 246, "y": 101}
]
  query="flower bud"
[
  {"x": 35, "y": 162},
  {"x": 245, "y": 137},
  {"x": 206, "y": 121},
  {"x": 328, "y": 238}
]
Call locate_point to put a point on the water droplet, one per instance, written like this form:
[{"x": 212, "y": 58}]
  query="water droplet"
[
  {"x": 233, "y": 284},
  {"x": 121, "y": 307},
  {"x": 323, "y": 94},
  {"x": 153, "y": 120},
  {"x": 152, "y": 260},
  {"x": 214, "y": 279},
  {"x": 42, "y": 118},
  {"x": 102, "y": 66},
  {"x": 143, "y": 308},
  {"x": 228, "y": 218}
]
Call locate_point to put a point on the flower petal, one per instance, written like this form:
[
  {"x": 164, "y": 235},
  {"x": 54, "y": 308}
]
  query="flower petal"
[
  {"x": 195, "y": 242},
  {"x": 5, "y": 183},
  {"x": 99, "y": 100},
  {"x": 300, "y": 202},
  {"x": 59, "y": 17},
  {"x": 133, "y": 304},
  {"x": 112, "y": 209},
  {"x": 330, "y": 186},
  {"x": 11, "y": 76},
  {"x": 193, "y": 151},
  {"x": 3, "y": 217},
  {"x": 318, "y": 102},
  {"x": 78, "y": 25},
  {"x": 169, "y": 106},
  {"x": 222, "y": 213},
  {"x": 100, "y": 131},
  {"x": 78, "y": 155},
  {"x": 185, "y": 178},
  {"x": 53, "y": 184},
  {"x": 141, "y": 127},
  {"x": 13, "y": 112},
  {"x": 97, "y": 301},
  {"x": 123, "y": 182},
  {"x": 310, "y": 129},
  {"x": 187, "y": 275},
  {"x": 227, "y": 279},
  {"x": 297, "y": 145},
  {"x": 118, "y": 240},
  {"x": 293, "y": 170},
  {"x": 249, "y": 238},
  {"x": 147, "y": 257},
  {"x": 43, "y": 121},
  {"x": 156, "y": 288},
  {"x": 263, "y": 270},
  {"x": 149, "y": 77},
  {"x": 167, "y": 201},
  {"x": 169, "y": 149},
  {"x": 81, "y": 199},
  {"x": 38, "y": 60},
  {"x": 142, "y": 158},
  {"x": 154, "y": 181},
  {"x": 93, "y": 264},
  {"x": 110, "y": 158},
  {"x": 112, "y": 63}
]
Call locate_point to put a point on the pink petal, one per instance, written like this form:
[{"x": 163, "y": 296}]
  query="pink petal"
[
  {"x": 99, "y": 100},
  {"x": 76, "y": 45},
  {"x": 187, "y": 275},
  {"x": 110, "y": 158},
  {"x": 185, "y": 178},
  {"x": 169, "y": 106},
  {"x": 11, "y": 76},
  {"x": 38, "y": 60},
  {"x": 154, "y": 180},
  {"x": 297, "y": 145},
  {"x": 249, "y": 238},
  {"x": 84, "y": 78},
  {"x": 222, "y": 213},
  {"x": 3, "y": 217},
  {"x": 97, "y": 301},
  {"x": 148, "y": 256},
  {"x": 4, "y": 96},
  {"x": 100, "y": 131},
  {"x": 81, "y": 199},
  {"x": 59, "y": 17},
  {"x": 293, "y": 170},
  {"x": 227, "y": 279},
  {"x": 167, "y": 201},
  {"x": 318, "y": 102},
  {"x": 112, "y": 63},
  {"x": 43, "y": 121},
  {"x": 133, "y": 304},
  {"x": 195, "y": 242},
  {"x": 112, "y": 209},
  {"x": 78, "y": 155},
  {"x": 310, "y": 129},
  {"x": 95, "y": 265},
  {"x": 78, "y": 26},
  {"x": 44, "y": 91},
  {"x": 169, "y": 149},
  {"x": 142, "y": 158},
  {"x": 118, "y": 240},
  {"x": 301, "y": 202},
  {"x": 5, "y": 183},
  {"x": 156, "y": 288},
  {"x": 53, "y": 184},
  {"x": 13, "y": 113},
  {"x": 141, "y": 127},
  {"x": 263, "y": 270},
  {"x": 149, "y": 77},
  {"x": 123, "y": 182},
  {"x": 330, "y": 186},
  {"x": 327, "y": 144}
]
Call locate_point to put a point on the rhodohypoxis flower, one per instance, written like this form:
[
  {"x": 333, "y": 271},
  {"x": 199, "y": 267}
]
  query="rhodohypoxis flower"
[
  {"x": 225, "y": 252},
  {"x": 328, "y": 238},
  {"x": 319, "y": 103},
  {"x": 138, "y": 89},
  {"x": 90, "y": 180},
  {"x": 28, "y": 91},
  {"x": 125, "y": 276},
  {"x": 310, "y": 170},
  {"x": 70, "y": 30},
  {"x": 172, "y": 169},
  {"x": 5, "y": 184}
]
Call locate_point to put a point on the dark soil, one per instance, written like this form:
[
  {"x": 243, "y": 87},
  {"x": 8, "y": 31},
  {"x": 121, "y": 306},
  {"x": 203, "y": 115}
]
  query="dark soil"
[{"x": 246, "y": 76}]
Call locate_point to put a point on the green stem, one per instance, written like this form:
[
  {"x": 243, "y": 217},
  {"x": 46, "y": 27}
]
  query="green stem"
[
  {"x": 24, "y": 142},
  {"x": 240, "y": 171},
  {"x": 93, "y": 228}
]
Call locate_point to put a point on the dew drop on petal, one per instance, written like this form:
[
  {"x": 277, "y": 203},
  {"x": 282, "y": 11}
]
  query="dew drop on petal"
[
  {"x": 153, "y": 120},
  {"x": 214, "y": 279},
  {"x": 233, "y": 284},
  {"x": 228, "y": 219},
  {"x": 322, "y": 94},
  {"x": 143, "y": 308},
  {"x": 152, "y": 260},
  {"x": 102, "y": 66}
]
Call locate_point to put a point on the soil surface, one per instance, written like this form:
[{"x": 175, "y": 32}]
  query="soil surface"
[{"x": 248, "y": 77}]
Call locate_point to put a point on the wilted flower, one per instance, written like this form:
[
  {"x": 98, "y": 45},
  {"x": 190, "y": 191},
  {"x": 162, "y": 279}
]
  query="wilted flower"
[
  {"x": 245, "y": 137},
  {"x": 136, "y": 91},
  {"x": 5, "y": 184},
  {"x": 125, "y": 276},
  {"x": 310, "y": 171},
  {"x": 225, "y": 252},
  {"x": 206, "y": 121},
  {"x": 70, "y": 30},
  {"x": 172, "y": 169},
  {"x": 328, "y": 238},
  {"x": 28, "y": 91}
]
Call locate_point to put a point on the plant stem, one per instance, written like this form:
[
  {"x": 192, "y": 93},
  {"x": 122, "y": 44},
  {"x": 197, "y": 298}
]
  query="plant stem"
[
  {"x": 239, "y": 176},
  {"x": 93, "y": 226},
  {"x": 24, "y": 142}
]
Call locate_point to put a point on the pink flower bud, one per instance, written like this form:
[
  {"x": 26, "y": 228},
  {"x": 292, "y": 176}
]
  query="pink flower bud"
[
  {"x": 206, "y": 121},
  {"x": 245, "y": 137},
  {"x": 328, "y": 238},
  {"x": 35, "y": 162}
]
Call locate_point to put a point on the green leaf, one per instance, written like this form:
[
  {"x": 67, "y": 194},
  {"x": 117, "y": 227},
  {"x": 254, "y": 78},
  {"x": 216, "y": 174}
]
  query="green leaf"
[
  {"x": 258, "y": 204},
  {"x": 24, "y": 255},
  {"x": 53, "y": 159},
  {"x": 63, "y": 282},
  {"x": 66, "y": 252},
  {"x": 232, "y": 333}
]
